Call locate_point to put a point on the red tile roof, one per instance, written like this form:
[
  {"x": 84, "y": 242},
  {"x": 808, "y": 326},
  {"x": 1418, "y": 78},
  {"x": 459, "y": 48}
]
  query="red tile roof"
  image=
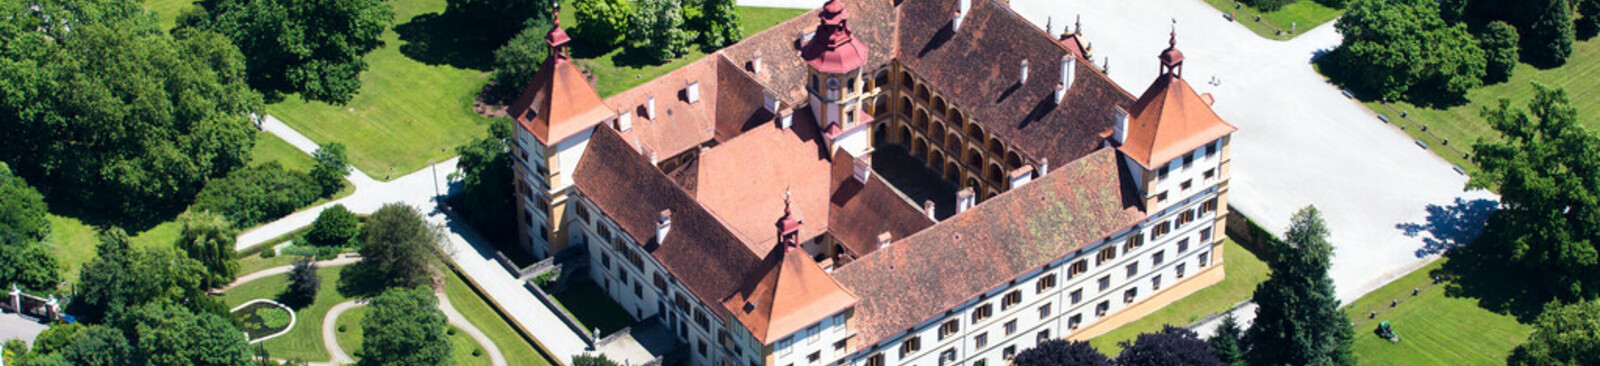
[
  {"x": 559, "y": 102},
  {"x": 1170, "y": 119},
  {"x": 834, "y": 48},
  {"x": 861, "y": 211},
  {"x": 872, "y": 22},
  {"x": 787, "y": 292},
  {"x": 963, "y": 257},
  {"x": 678, "y": 125},
  {"x": 743, "y": 180}
]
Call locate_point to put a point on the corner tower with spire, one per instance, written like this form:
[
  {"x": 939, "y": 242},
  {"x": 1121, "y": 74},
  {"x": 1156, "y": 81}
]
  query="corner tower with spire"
[{"x": 834, "y": 58}]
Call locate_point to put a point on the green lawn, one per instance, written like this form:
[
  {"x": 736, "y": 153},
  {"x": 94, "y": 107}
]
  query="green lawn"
[
  {"x": 304, "y": 341},
  {"x": 1462, "y": 125},
  {"x": 167, "y": 10},
  {"x": 478, "y": 311},
  {"x": 1302, "y": 16},
  {"x": 1244, "y": 271},
  {"x": 74, "y": 241},
  {"x": 615, "y": 72},
  {"x": 270, "y": 147},
  {"x": 589, "y": 305},
  {"x": 350, "y": 340},
  {"x": 1434, "y": 328}
]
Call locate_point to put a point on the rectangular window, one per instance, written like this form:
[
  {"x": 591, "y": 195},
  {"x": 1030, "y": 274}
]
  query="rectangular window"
[
  {"x": 1106, "y": 255},
  {"x": 1011, "y": 327},
  {"x": 875, "y": 360},
  {"x": 1012, "y": 298},
  {"x": 660, "y": 282},
  {"x": 838, "y": 323},
  {"x": 1155, "y": 282},
  {"x": 1210, "y": 173},
  {"x": 1074, "y": 321},
  {"x": 1130, "y": 295},
  {"x": 1008, "y": 352},
  {"x": 700, "y": 319},
  {"x": 1046, "y": 283},
  {"x": 1180, "y": 270},
  {"x": 1077, "y": 268},
  {"x": 911, "y": 345},
  {"x": 949, "y": 328},
  {"x": 1077, "y": 296},
  {"x": 811, "y": 333},
  {"x": 1044, "y": 311},
  {"x": 1101, "y": 308},
  {"x": 1205, "y": 236},
  {"x": 1161, "y": 230},
  {"x": 1158, "y": 257},
  {"x": 1186, "y": 185},
  {"x": 981, "y": 313},
  {"x": 1205, "y": 259},
  {"x": 1188, "y": 159},
  {"x": 1163, "y": 173},
  {"x": 784, "y": 344},
  {"x": 1044, "y": 335},
  {"x": 982, "y": 339},
  {"x": 1183, "y": 245},
  {"x": 1208, "y": 206},
  {"x": 1133, "y": 269},
  {"x": 638, "y": 291},
  {"x": 1161, "y": 197},
  {"x": 838, "y": 347},
  {"x": 814, "y": 357},
  {"x": 1105, "y": 283},
  {"x": 947, "y": 357},
  {"x": 1213, "y": 147},
  {"x": 1134, "y": 242},
  {"x": 583, "y": 213},
  {"x": 1185, "y": 217}
]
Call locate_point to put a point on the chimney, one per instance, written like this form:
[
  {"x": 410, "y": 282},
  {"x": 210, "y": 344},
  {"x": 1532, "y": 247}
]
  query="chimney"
[
  {"x": 863, "y": 169},
  {"x": 1021, "y": 176},
  {"x": 786, "y": 120},
  {"x": 1069, "y": 70},
  {"x": 964, "y": 7},
  {"x": 1023, "y": 79},
  {"x": 663, "y": 225},
  {"x": 755, "y": 63},
  {"x": 883, "y": 239},
  {"x": 625, "y": 121},
  {"x": 1119, "y": 131},
  {"x": 650, "y": 107},
  {"x": 654, "y": 158},
  {"x": 927, "y": 206},
  {"x": 692, "y": 92},
  {"x": 1044, "y": 166},
  {"x": 769, "y": 102},
  {"x": 965, "y": 199}
]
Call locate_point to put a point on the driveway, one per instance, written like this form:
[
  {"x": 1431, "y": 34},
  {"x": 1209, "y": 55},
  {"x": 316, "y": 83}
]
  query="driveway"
[{"x": 1300, "y": 141}]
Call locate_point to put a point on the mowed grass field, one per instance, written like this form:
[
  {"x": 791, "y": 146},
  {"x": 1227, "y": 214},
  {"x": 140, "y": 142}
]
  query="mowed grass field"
[
  {"x": 1302, "y": 16},
  {"x": 304, "y": 341},
  {"x": 1434, "y": 328},
  {"x": 461, "y": 350},
  {"x": 517, "y": 349},
  {"x": 167, "y": 10},
  {"x": 1244, "y": 271},
  {"x": 1462, "y": 125}
]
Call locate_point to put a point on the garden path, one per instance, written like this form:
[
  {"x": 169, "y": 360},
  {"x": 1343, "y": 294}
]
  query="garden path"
[{"x": 343, "y": 259}]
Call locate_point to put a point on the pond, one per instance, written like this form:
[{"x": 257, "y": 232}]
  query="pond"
[{"x": 263, "y": 319}]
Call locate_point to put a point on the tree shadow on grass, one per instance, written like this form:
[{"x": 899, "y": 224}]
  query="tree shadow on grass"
[
  {"x": 452, "y": 39},
  {"x": 1451, "y": 226},
  {"x": 1480, "y": 270},
  {"x": 361, "y": 280}
]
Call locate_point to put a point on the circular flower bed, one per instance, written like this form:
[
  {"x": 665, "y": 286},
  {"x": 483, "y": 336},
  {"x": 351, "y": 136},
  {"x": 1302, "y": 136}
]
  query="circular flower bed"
[{"x": 264, "y": 319}]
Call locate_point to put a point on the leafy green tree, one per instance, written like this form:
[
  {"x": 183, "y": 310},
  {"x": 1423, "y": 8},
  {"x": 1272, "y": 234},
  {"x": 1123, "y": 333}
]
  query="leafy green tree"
[
  {"x": 488, "y": 195},
  {"x": 519, "y": 59},
  {"x": 22, "y": 209},
  {"x": 1170, "y": 346},
  {"x": 1298, "y": 321},
  {"x": 656, "y": 30},
  {"x": 122, "y": 277},
  {"x": 721, "y": 20},
  {"x": 592, "y": 360},
  {"x": 1500, "y": 44},
  {"x": 106, "y": 113},
  {"x": 1549, "y": 38},
  {"x": 1588, "y": 25},
  {"x": 502, "y": 18},
  {"x": 397, "y": 242},
  {"x": 601, "y": 22},
  {"x": 258, "y": 194},
  {"x": 311, "y": 47},
  {"x": 98, "y": 345},
  {"x": 303, "y": 283},
  {"x": 1546, "y": 171},
  {"x": 334, "y": 226},
  {"x": 1563, "y": 335},
  {"x": 29, "y": 264},
  {"x": 172, "y": 335},
  {"x": 1226, "y": 344},
  {"x": 404, "y": 327},
  {"x": 1270, "y": 5},
  {"x": 331, "y": 168},
  {"x": 1403, "y": 48},
  {"x": 56, "y": 338},
  {"x": 209, "y": 238},
  {"x": 1060, "y": 352}
]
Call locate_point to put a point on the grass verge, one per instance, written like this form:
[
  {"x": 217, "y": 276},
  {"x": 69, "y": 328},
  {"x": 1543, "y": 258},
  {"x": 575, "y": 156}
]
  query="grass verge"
[
  {"x": 1291, "y": 20},
  {"x": 513, "y": 345},
  {"x": 1244, "y": 271},
  {"x": 1435, "y": 328},
  {"x": 270, "y": 148},
  {"x": 304, "y": 341},
  {"x": 463, "y": 345},
  {"x": 587, "y": 303}
]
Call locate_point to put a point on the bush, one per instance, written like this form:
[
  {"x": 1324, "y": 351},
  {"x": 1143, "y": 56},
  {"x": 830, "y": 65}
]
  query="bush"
[
  {"x": 342, "y": 328},
  {"x": 477, "y": 352},
  {"x": 332, "y": 166},
  {"x": 602, "y": 22},
  {"x": 254, "y": 195},
  {"x": 304, "y": 282},
  {"x": 22, "y": 209},
  {"x": 656, "y": 30},
  {"x": 517, "y": 61},
  {"x": 268, "y": 253},
  {"x": 1500, "y": 42},
  {"x": 335, "y": 226}
]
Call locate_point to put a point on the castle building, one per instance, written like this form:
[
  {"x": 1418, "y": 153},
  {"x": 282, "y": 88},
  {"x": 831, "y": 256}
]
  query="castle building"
[{"x": 879, "y": 182}]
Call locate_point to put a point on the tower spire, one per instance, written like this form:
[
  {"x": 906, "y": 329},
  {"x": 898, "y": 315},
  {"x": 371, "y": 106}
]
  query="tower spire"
[{"x": 557, "y": 38}]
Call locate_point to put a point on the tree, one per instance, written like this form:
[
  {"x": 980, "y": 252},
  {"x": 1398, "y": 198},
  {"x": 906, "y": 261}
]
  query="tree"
[
  {"x": 29, "y": 264},
  {"x": 404, "y": 327},
  {"x": 122, "y": 277},
  {"x": 107, "y": 114},
  {"x": 310, "y": 47},
  {"x": 257, "y": 194},
  {"x": 488, "y": 194},
  {"x": 520, "y": 58},
  {"x": 656, "y": 30},
  {"x": 1405, "y": 49},
  {"x": 501, "y": 18},
  {"x": 1545, "y": 170},
  {"x": 397, "y": 242},
  {"x": 1059, "y": 352},
  {"x": 1170, "y": 346},
  {"x": 303, "y": 283},
  {"x": 209, "y": 238},
  {"x": 332, "y": 166},
  {"x": 601, "y": 22},
  {"x": 1226, "y": 343},
  {"x": 592, "y": 360},
  {"x": 172, "y": 335},
  {"x": 1270, "y": 5},
  {"x": 1550, "y": 36},
  {"x": 1298, "y": 321},
  {"x": 22, "y": 209},
  {"x": 721, "y": 20},
  {"x": 334, "y": 226},
  {"x": 1563, "y": 335},
  {"x": 1588, "y": 25},
  {"x": 1500, "y": 45},
  {"x": 98, "y": 345}
]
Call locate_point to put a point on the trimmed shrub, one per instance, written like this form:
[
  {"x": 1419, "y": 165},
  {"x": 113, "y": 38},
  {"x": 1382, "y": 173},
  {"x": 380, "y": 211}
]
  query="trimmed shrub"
[
  {"x": 254, "y": 195},
  {"x": 334, "y": 226}
]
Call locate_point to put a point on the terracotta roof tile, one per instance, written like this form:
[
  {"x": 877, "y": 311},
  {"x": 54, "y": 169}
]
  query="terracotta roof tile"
[
  {"x": 976, "y": 69},
  {"x": 739, "y": 100},
  {"x": 873, "y": 23},
  {"x": 1170, "y": 120},
  {"x": 1000, "y": 239},
  {"x": 559, "y": 102},
  {"x": 678, "y": 125},
  {"x": 744, "y": 179},
  {"x": 861, "y": 211},
  {"x": 787, "y": 292}
]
